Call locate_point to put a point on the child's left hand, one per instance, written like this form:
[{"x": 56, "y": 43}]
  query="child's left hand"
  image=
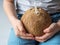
[{"x": 49, "y": 32}]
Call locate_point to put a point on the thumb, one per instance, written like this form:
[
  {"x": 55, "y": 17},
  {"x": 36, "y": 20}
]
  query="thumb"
[
  {"x": 21, "y": 28},
  {"x": 50, "y": 28},
  {"x": 47, "y": 30}
]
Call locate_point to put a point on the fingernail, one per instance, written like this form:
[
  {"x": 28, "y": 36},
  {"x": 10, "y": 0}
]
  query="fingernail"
[
  {"x": 46, "y": 31},
  {"x": 36, "y": 37},
  {"x": 31, "y": 34}
]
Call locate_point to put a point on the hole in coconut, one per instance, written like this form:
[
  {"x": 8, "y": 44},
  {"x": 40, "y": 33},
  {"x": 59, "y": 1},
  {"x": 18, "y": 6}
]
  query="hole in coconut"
[{"x": 30, "y": 9}]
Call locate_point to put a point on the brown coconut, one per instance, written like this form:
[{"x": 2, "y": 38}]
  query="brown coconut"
[{"x": 36, "y": 23}]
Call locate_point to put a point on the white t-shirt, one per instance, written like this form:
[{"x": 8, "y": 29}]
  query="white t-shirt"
[{"x": 51, "y": 6}]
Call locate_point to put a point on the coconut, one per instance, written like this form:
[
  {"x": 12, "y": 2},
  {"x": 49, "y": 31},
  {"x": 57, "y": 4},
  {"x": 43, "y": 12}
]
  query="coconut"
[{"x": 35, "y": 23}]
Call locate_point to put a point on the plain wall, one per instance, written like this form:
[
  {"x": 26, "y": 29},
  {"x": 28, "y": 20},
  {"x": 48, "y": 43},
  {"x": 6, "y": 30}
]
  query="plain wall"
[{"x": 4, "y": 26}]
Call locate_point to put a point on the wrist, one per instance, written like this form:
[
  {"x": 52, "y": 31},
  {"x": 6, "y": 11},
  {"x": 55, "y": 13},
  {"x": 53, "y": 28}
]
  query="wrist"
[{"x": 12, "y": 18}]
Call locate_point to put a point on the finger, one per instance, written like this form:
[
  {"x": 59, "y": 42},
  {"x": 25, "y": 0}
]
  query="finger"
[
  {"x": 40, "y": 40},
  {"x": 16, "y": 31},
  {"x": 23, "y": 33},
  {"x": 44, "y": 37},
  {"x": 49, "y": 35},
  {"x": 50, "y": 28},
  {"x": 21, "y": 28},
  {"x": 27, "y": 37}
]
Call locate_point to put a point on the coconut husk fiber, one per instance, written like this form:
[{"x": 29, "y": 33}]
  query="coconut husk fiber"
[{"x": 36, "y": 23}]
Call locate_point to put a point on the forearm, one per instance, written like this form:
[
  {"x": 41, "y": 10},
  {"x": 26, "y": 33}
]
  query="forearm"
[{"x": 10, "y": 10}]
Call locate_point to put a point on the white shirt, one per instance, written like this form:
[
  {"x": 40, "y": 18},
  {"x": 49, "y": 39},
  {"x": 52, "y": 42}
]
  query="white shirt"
[{"x": 51, "y": 6}]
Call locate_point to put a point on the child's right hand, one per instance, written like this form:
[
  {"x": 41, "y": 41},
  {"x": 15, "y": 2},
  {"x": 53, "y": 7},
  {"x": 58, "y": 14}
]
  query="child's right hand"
[{"x": 20, "y": 31}]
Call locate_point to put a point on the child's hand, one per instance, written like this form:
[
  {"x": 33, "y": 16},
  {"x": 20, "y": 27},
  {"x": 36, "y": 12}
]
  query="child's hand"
[
  {"x": 20, "y": 31},
  {"x": 49, "y": 32}
]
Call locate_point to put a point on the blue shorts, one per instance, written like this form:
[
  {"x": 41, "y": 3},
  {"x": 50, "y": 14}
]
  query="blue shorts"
[{"x": 55, "y": 40}]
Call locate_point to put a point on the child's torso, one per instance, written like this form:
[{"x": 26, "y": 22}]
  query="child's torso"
[{"x": 51, "y": 6}]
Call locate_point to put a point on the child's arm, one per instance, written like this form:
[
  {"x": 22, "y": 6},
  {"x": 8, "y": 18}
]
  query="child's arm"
[{"x": 9, "y": 8}]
